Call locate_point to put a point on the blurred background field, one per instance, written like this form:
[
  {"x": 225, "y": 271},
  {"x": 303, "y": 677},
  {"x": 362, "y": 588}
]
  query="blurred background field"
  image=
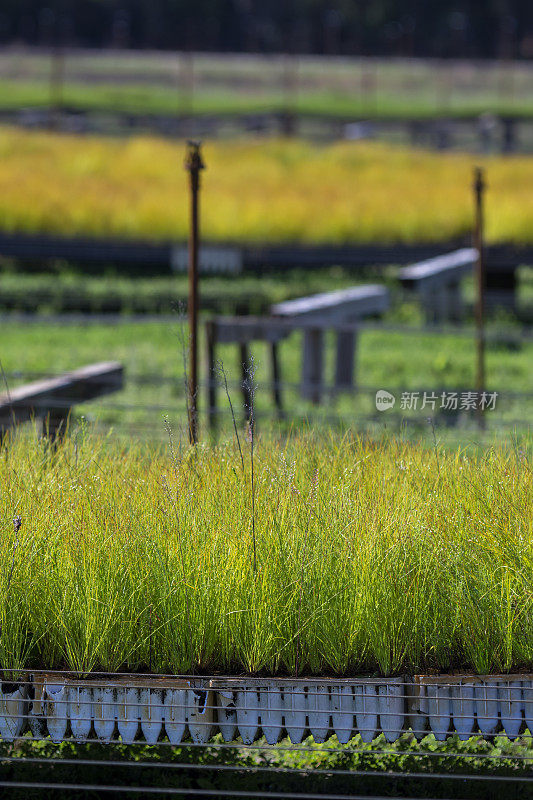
[
  {"x": 288, "y": 191},
  {"x": 256, "y": 191},
  {"x": 322, "y": 127},
  {"x": 216, "y": 83},
  {"x": 153, "y": 355}
]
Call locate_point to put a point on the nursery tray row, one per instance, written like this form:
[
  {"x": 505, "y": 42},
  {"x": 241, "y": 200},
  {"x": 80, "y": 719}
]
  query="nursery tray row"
[{"x": 149, "y": 708}]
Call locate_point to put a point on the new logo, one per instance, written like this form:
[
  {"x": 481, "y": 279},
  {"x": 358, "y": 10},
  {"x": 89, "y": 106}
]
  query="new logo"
[{"x": 384, "y": 400}]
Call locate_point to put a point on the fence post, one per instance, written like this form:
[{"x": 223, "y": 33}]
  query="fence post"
[
  {"x": 290, "y": 91},
  {"x": 193, "y": 164},
  {"x": 276, "y": 379},
  {"x": 211, "y": 340},
  {"x": 479, "y": 189},
  {"x": 312, "y": 364},
  {"x": 186, "y": 91},
  {"x": 57, "y": 69}
]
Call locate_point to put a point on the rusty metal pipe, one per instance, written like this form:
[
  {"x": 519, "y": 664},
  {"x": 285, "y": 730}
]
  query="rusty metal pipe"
[
  {"x": 193, "y": 164},
  {"x": 479, "y": 190}
]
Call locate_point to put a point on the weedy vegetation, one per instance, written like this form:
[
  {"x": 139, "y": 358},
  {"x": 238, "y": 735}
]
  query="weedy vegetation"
[{"x": 370, "y": 557}]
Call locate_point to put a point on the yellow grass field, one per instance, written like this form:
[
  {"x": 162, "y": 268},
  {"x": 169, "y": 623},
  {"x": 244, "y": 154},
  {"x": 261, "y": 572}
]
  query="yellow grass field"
[{"x": 256, "y": 190}]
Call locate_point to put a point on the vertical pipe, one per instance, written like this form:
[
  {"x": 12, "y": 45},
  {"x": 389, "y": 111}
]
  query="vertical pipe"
[
  {"x": 186, "y": 90},
  {"x": 245, "y": 381},
  {"x": 211, "y": 336},
  {"x": 57, "y": 67},
  {"x": 57, "y": 71},
  {"x": 276, "y": 379},
  {"x": 193, "y": 164},
  {"x": 479, "y": 189}
]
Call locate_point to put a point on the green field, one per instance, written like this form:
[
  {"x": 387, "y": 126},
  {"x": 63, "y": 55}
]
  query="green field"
[
  {"x": 337, "y": 541},
  {"x": 392, "y": 360},
  {"x": 223, "y": 84},
  {"x": 17, "y": 95}
]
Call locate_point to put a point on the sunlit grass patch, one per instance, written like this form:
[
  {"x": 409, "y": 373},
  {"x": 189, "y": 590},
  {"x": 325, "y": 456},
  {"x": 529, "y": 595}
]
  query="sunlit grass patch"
[{"x": 255, "y": 190}]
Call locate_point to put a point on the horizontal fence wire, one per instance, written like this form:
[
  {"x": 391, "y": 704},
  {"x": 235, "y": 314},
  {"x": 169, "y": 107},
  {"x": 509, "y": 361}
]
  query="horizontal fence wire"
[
  {"x": 67, "y": 402},
  {"x": 157, "y": 432},
  {"x": 198, "y": 792},
  {"x": 503, "y": 692},
  {"x": 326, "y": 417},
  {"x": 475, "y": 767},
  {"x": 515, "y": 334},
  {"x": 316, "y": 414},
  {"x": 271, "y": 770},
  {"x": 178, "y": 381}
]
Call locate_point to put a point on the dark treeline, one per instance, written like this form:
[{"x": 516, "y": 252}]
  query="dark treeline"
[{"x": 442, "y": 28}]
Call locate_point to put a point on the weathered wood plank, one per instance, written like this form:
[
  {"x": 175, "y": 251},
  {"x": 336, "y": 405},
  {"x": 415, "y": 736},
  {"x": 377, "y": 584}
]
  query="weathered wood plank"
[
  {"x": 40, "y": 398},
  {"x": 344, "y": 305},
  {"x": 312, "y": 365},
  {"x": 344, "y": 365},
  {"x": 331, "y": 309},
  {"x": 314, "y": 314},
  {"x": 439, "y": 271},
  {"x": 242, "y": 330},
  {"x": 437, "y": 281}
]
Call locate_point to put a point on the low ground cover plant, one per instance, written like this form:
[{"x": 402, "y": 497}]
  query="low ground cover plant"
[
  {"x": 65, "y": 289},
  {"x": 355, "y": 557},
  {"x": 255, "y": 190},
  {"x": 368, "y": 768},
  {"x": 58, "y": 292}
]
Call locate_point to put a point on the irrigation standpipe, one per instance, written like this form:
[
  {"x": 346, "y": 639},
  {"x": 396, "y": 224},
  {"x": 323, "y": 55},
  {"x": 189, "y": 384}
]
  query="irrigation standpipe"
[
  {"x": 479, "y": 189},
  {"x": 193, "y": 164}
]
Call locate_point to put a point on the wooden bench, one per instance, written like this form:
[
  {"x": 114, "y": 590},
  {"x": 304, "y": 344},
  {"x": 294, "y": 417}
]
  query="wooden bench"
[
  {"x": 52, "y": 399},
  {"x": 331, "y": 310},
  {"x": 242, "y": 331},
  {"x": 437, "y": 282}
]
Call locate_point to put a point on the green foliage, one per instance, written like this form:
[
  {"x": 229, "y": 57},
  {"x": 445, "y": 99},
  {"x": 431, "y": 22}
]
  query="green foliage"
[
  {"x": 70, "y": 292},
  {"x": 386, "y": 768}
]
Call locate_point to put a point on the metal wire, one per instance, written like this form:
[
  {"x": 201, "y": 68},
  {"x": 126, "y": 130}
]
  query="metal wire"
[
  {"x": 194, "y": 792},
  {"x": 250, "y": 681},
  {"x": 154, "y": 705},
  {"x": 268, "y": 770},
  {"x": 505, "y": 335},
  {"x": 372, "y": 757},
  {"x": 153, "y": 379}
]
